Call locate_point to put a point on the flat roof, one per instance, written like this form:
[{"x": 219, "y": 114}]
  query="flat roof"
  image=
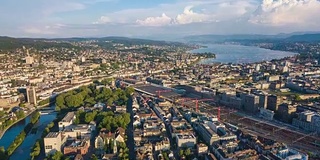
[
  {"x": 52, "y": 135},
  {"x": 152, "y": 89},
  {"x": 185, "y": 136},
  {"x": 68, "y": 117}
]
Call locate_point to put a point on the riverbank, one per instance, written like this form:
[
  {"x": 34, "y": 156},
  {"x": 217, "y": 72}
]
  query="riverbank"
[
  {"x": 15, "y": 122},
  {"x": 23, "y": 134},
  {"x": 24, "y": 149}
]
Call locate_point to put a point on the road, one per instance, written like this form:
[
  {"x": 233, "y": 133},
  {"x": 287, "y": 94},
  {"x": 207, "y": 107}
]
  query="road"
[
  {"x": 168, "y": 128},
  {"x": 130, "y": 138}
]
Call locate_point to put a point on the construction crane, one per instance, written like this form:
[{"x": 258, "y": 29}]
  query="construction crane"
[
  {"x": 162, "y": 91},
  {"x": 197, "y": 104},
  {"x": 183, "y": 100},
  {"x": 201, "y": 100}
]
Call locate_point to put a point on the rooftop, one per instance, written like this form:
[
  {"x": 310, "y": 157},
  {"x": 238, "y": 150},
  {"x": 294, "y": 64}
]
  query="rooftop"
[
  {"x": 185, "y": 136},
  {"x": 68, "y": 117},
  {"x": 52, "y": 135}
]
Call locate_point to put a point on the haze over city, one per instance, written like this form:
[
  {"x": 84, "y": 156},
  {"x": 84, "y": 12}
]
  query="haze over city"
[{"x": 150, "y": 18}]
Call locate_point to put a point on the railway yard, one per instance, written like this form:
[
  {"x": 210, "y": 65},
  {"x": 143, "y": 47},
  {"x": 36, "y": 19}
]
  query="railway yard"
[{"x": 283, "y": 133}]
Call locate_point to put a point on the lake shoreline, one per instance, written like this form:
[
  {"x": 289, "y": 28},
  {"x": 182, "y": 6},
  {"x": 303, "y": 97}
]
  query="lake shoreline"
[{"x": 239, "y": 54}]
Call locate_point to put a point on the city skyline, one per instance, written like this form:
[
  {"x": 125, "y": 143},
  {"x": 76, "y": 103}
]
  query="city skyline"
[{"x": 98, "y": 18}]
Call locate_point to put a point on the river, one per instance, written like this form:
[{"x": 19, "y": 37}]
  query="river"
[
  {"x": 23, "y": 151},
  {"x": 226, "y": 53}
]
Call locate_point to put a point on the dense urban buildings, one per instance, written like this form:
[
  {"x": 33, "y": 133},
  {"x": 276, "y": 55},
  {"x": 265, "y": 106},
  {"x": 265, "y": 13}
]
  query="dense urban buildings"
[{"x": 158, "y": 101}]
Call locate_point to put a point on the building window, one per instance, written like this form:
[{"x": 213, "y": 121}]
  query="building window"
[{"x": 48, "y": 147}]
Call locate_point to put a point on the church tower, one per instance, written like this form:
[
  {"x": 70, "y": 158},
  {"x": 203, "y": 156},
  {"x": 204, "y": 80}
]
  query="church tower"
[{"x": 115, "y": 148}]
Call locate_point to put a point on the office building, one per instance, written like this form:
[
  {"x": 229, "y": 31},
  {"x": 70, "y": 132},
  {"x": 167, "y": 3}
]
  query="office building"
[
  {"x": 31, "y": 95},
  {"x": 83, "y": 59},
  {"x": 263, "y": 101},
  {"x": 251, "y": 103},
  {"x": 67, "y": 121},
  {"x": 208, "y": 135},
  {"x": 29, "y": 60},
  {"x": 257, "y": 68},
  {"x": 266, "y": 114},
  {"x": 53, "y": 142},
  {"x": 273, "y": 102},
  {"x": 286, "y": 112},
  {"x": 186, "y": 140}
]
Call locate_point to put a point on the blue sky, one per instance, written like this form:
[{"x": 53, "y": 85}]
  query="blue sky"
[{"x": 147, "y": 18}]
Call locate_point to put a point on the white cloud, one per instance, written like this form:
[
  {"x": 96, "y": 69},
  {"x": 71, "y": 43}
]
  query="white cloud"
[
  {"x": 189, "y": 16},
  {"x": 103, "y": 20},
  {"x": 155, "y": 21},
  {"x": 51, "y": 29},
  {"x": 195, "y": 12},
  {"x": 39, "y": 31},
  {"x": 287, "y": 12},
  {"x": 59, "y": 6}
]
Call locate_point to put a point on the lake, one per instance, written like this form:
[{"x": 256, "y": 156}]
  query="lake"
[{"x": 226, "y": 53}]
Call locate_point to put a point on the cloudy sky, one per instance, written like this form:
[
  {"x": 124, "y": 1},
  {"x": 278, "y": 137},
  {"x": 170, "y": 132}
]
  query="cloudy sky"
[{"x": 146, "y": 18}]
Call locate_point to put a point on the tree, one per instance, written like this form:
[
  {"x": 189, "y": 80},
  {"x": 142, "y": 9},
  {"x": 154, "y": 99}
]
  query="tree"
[
  {"x": 129, "y": 90},
  {"x": 90, "y": 101},
  {"x": 60, "y": 104},
  {"x": 187, "y": 152},
  {"x": 90, "y": 116},
  {"x": 43, "y": 102},
  {"x": 110, "y": 102},
  {"x": 35, "y": 151},
  {"x": 297, "y": 97},
  {"x": 181, "y": 153},
  {"x": 56, "y": 156},
  {"x": 107, "y": 81},
  {"x": 123, "y": 153},
  {"x": 35, "y": 118},
  {"x": 94, "y": 157},
  {"x": 20, "y": 114},
  {"x": 74, "y": 100},
  {"x": 165, "y": 155},
  {"x": 22, "y": 105},
  {"x": 2, "y": 113},
  {"x": 3, "y": 153}
]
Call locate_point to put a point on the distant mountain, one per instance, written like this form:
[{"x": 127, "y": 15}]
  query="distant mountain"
[
  {"x": 304, "y": 38},
  {"x": 223, "y": 38},
  {"x": 292, "y": 37}
]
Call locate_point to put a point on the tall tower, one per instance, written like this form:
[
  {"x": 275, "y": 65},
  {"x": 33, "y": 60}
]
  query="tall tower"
[
  {"x": 29, "y": 59},
  {"x": 31, "y": 95},
  {"x": 115, "y": 148}
]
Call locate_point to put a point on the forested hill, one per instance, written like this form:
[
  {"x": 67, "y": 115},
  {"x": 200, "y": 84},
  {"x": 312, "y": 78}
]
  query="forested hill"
[
  {"x": 9, "y": 43},
  {"x": 304, "y": 38}
]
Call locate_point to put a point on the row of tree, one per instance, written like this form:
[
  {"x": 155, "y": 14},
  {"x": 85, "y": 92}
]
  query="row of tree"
[
  {"x": 107, "y": 120},
  {"x": 92, "y": 94},
  {"x": 36, "y": 149}
]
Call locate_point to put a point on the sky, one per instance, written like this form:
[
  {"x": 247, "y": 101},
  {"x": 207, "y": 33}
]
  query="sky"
[{"x": 155, "y": 18}]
